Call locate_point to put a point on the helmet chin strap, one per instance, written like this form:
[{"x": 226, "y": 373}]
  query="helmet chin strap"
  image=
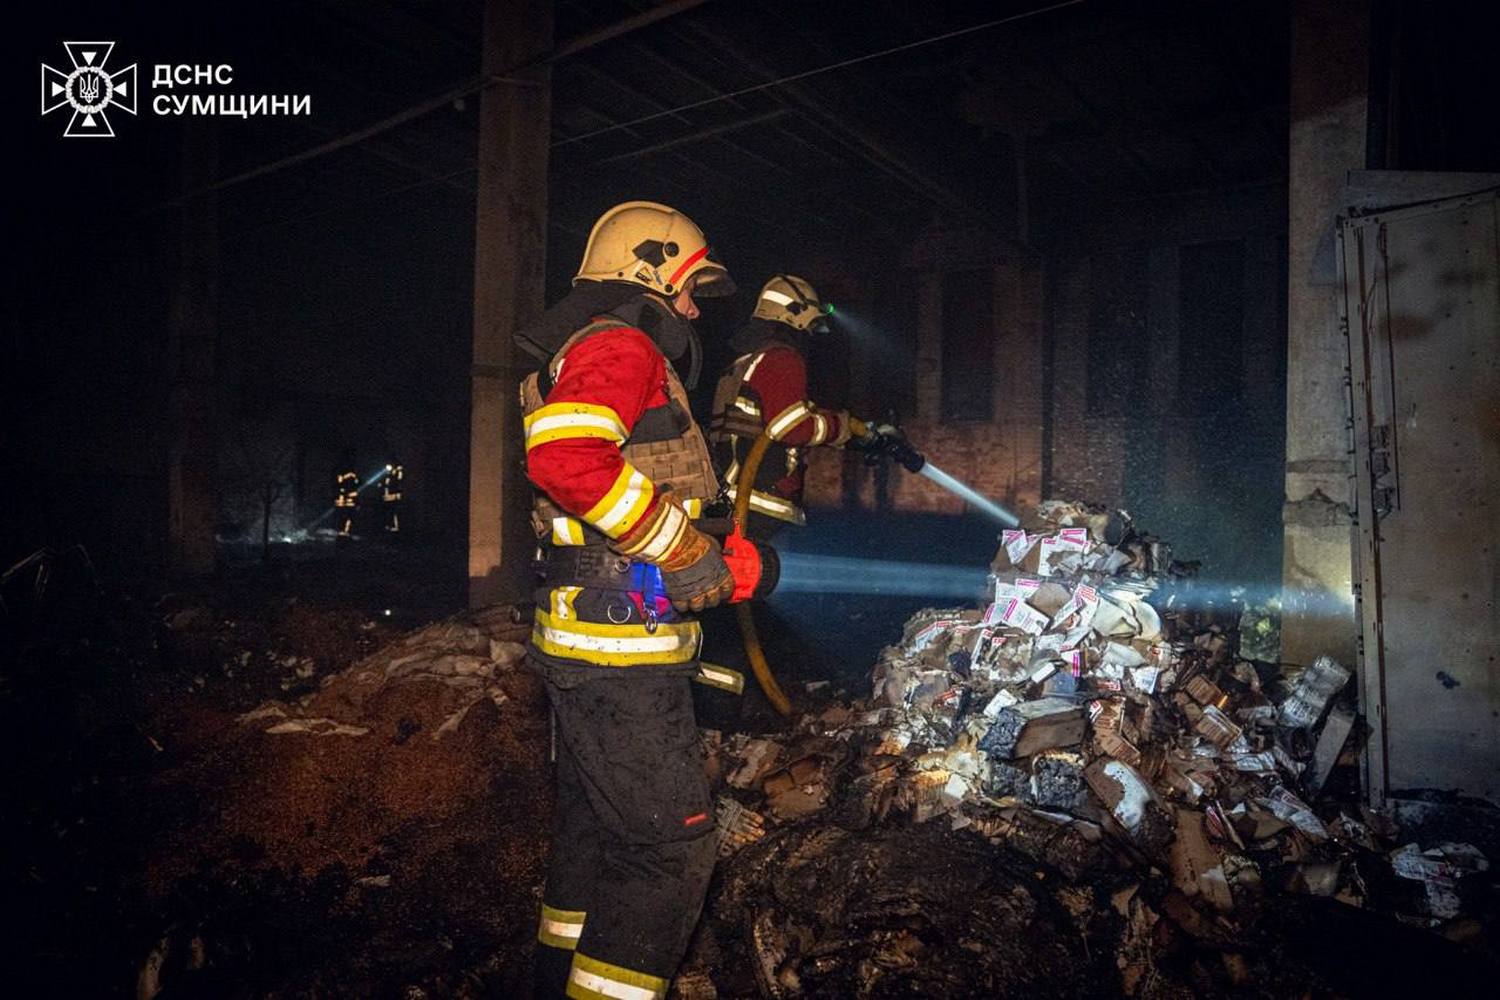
[{"x": 695, "y": 359}]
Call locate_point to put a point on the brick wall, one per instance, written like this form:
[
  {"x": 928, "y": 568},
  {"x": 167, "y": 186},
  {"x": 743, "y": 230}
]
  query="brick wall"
[
  {"x": 1002, "y": 457},
  {"x": 1203, "y": 474}
]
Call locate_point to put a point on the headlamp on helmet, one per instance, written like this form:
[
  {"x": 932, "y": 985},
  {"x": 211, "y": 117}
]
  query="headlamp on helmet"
[{"x": 791, "y": 300}]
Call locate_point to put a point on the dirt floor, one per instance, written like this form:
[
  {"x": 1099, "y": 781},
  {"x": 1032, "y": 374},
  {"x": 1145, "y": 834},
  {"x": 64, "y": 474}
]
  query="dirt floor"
[
  {"x": 164, "y": 844},
  {"x": 159, "y": 846}
]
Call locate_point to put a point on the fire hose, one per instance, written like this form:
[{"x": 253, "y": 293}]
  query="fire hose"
[
  {"x": 753, "y": 651},
  {"x": 880, "y": 441}
]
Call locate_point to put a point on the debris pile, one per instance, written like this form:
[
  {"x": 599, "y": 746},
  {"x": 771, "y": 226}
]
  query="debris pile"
[
  {"x": 1094, "y": 716},
  {"x": 379, "y": 831},
  {"x": 414, "y": 733},
  {"x": 454, "y": 664},
  {"x": 239, "y": 652}
]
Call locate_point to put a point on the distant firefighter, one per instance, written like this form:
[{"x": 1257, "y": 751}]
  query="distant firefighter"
[
  {"x": 346, "y": 500},
  {"x": 390, "y": 496},
  {"x": 765, "y": 390}
]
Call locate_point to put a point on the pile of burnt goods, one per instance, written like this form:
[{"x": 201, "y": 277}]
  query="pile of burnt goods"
[{"x": 1084, "y": 767}]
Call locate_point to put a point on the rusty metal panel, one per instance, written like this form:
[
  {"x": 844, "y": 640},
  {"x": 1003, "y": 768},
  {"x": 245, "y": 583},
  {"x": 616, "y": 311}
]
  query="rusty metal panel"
[{"x": 1422, "y": 306}]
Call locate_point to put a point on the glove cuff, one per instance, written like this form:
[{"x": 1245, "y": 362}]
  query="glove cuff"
[
  {"x": 692, "y": 546},
  {"x": 846, "y": 424},
  {"x": 657, "y": 535}
]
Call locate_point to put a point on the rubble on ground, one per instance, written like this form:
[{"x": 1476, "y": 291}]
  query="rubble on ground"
[
  {"x": 392, "y": 818},
  {"x": 456, "y": 663},
  {"x": 1095, "y": 716},
  {"x": 413, "y": 733},
  {"x": 884, "y": 912}
]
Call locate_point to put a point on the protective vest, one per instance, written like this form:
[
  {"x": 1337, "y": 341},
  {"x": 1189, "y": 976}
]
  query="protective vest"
[
  {"x": 665, "y": 445},
  {"x": 594, "y": 610},
  {"x": 737, "y": 422}
]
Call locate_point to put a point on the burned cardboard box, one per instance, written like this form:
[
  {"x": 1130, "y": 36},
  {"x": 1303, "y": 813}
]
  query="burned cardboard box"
[
  {"x": 1057, "y": 781},
  {"x": 1033, "y": 726},
  {"x": 1196, "y": 863},
  {"x": 1133, "y": 802}
]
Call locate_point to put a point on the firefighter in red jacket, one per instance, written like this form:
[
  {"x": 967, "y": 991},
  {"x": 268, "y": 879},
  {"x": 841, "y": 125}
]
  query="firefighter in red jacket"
[
  {"x": 766, "y": 390},
  {"x": 622, "y": 471}
]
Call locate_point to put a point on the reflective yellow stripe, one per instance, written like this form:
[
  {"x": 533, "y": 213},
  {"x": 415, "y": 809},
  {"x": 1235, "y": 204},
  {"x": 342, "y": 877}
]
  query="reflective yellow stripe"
[
  {"x": 788, "y": 419},
  {"x": 694, "y": 507},
  {"x": 560, "y": 928},
  {"x": 723, "y": 678},
  {"x": 615, "y": 645},
  {"x": 754, "y": 363},
  {"x": 567, "y": 531},
  {"x": 776, "y": 507},
  {"x": 662, "y": 537},
  {"x": 559, "y": 421},
  {"x": 820, "y": 429},
  {"x": 747, "y": 406},
  {"x": 773, "y": 506},
  {"x": 562, "y": 603},
  {"x": 620, "y": 508},
  {"x": 591, "y": 979}
]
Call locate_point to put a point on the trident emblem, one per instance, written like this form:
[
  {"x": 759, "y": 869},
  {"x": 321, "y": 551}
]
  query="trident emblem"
[{"x": 89, "y": 89}]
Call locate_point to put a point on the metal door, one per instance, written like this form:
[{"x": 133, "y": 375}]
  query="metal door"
[{"x": 1421, "y": 305}]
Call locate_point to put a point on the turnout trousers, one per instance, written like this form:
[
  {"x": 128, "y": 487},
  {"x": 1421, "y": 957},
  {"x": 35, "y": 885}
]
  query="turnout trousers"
[{"x": 632, "y": 845}]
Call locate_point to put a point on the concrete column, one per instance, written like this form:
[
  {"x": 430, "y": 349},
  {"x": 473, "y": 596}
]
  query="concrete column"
[
  {"x": 1328, "y": 84},
  {"x": 192, "y": 344},
  {"x": 510, "y": 244}
]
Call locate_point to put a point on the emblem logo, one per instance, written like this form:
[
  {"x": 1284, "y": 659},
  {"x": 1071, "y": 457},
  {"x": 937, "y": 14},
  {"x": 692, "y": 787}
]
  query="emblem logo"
[{"x": 89, "y": 89}]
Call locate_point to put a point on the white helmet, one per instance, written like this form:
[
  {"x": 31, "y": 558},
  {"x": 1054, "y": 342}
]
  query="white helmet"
[{"x": 655, "y": 247}]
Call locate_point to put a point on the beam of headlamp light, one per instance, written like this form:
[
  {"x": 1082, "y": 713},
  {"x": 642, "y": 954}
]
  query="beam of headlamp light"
[
  {"x": 869, "y": 335},
  {"x": 1193, "y": 594},
  {"x": 374, "y": 478},
  {"x": 804, "y": 573},
  {"x": 969, "y": 495}
]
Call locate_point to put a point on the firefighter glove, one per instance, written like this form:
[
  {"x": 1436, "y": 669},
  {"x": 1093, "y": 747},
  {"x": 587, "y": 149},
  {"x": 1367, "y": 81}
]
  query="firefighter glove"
[
  {"x": 694, "y": 573},
  {"x": 692, "y": 568}
]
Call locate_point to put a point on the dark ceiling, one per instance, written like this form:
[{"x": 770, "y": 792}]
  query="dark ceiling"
[
  {"x": 1096, "y": 101},
  {"x": 350, "y": 274}
]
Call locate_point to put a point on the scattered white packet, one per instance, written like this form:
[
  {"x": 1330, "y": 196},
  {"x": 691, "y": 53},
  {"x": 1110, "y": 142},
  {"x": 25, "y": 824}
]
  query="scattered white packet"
[
  {"x": 1084, "y": 602},
  {"x": 1052, "y": 643},
  {"x": 925, "y": 638},
  {"x": 1056, "y": 548},
  {"x": 1018, "y": 614},
  {"x": 1017, "y": 543},
  {"x": 1002, "y": 699}
]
